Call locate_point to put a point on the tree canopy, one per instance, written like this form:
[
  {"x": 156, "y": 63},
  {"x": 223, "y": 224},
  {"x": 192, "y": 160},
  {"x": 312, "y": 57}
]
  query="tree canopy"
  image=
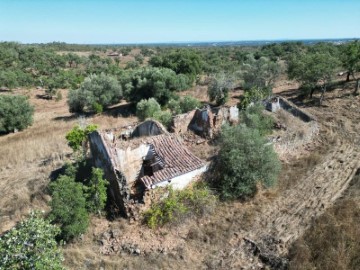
[
  {"x": 31, "y": 245},
  {"x": 313, "y": 69},
  {"x": 16, "y": 113},
  {"x": 244, "y": 159},
  {"x": 181, "y": 61},
  {"x": 150, "y": 82},
  {"x": 95, "y": 93}
]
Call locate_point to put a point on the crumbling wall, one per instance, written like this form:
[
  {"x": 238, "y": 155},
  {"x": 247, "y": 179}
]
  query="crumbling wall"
[
  {"x": 181, "y": 122},
  {"x": 279, "y": 102},
  {"x": 148, "y": 128},
  {"x": 203, "y": 122},
  {"x": 225, "y": 115},
  {"x": 118, "y": 189},
  {"x": 129, "y": 161}
]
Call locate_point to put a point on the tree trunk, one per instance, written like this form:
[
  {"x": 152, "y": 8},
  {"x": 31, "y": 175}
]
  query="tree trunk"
[
  {"x": 322, "y": 94},
  {"x": 348, "y": 76},
  {"x": 312, "y": 92},
  {"x": 357, "y": 86}
]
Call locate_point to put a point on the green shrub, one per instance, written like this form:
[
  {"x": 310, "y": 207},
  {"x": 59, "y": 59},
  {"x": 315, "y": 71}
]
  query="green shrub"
[
  {"x": 183, "y": 105},
  {"x": 245, "y": 158},
  {"x": 254, "y": 95},
  {"x": 174, "y": 106},
  {"x": 97, "y": 108},
  {"x": 68, "y": 207},
  {"x": 164, "y": 117},
  {"x": 150, "y": 82},
  {"x": 16, "y": 113},
  {"x": 31, "y": 245},
  {"x": 219, "y": 88},
  {"x": 147, "y": 108},
  {"x": 96, "y": 89},
  {"x": 180, "y": 204},
  {"x": 189, "y": 103},
  {"x": 77, "y": 137},
  {"x": 253, "y": 117},
  {"x": 95, "y": 191}
]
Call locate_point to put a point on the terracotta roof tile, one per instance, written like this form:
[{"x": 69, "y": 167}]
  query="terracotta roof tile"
[{"x": 177, "y": 158}]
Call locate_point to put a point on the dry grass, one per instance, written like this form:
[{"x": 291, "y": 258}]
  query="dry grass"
[
  {"x": 27, "y": 158},
  {"x": 333, "y": 240}
]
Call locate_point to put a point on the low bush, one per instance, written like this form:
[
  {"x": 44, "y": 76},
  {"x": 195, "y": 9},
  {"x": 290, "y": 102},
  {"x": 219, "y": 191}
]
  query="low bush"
[
  {"x": 68, "y": 207},
  {"x": 252, "y": 96},
  {"x": 77, "y": 137},
  {"x": 146, "y": 108},
  {"x": 254, "y": 117},
  {"x": 189, "y": 103},
  {"x": 245, "y": 159},
  {"x": 16, "y": 113},
  {"x": 180, "y": 204},
  {"x": 164, "y": 117},
  {"x": 95, "y": 191},
  {"x": 183, "y": 105}
]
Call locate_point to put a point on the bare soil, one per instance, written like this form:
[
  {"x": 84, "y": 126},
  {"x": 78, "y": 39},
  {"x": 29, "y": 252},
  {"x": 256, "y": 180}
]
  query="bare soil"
[{"x": 315, "y": 175}]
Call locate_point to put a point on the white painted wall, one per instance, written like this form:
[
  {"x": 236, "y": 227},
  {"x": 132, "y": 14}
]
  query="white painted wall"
[{"x": 180, "y": 182}]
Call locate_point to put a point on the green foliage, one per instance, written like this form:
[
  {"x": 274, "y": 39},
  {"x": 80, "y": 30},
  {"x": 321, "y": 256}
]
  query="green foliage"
[
  {"x": 100, "y": 89},
  {"x": 95, "y": 191},
  {"x": 312, "y": 69},
  {"x": 174, "y": 106},
  {"x": 31, "y": 245},
  {"x": 350, "y": 57},
  {"x": 77, "y": 137},
  {"x": 254, "y": 95},
  {"x": 97, "y": 108},
  {"x": 189, "y": 103},
  {"x": 253, "y": 117},
  {"x": 147, "y": 108},
  {"x": 219, "y": 88},
  {"x": 149, "y": 82},
  {"x": 183, "y": 105},
  {"x": 182, "y": 61},
  {"x": 15, "y": 113},
  {"x": 164, "y": 117},
  {"x": 68, "y": 207},
  {"x": 178, "y": 205},
  {"x": 260, "y": 73},
  {"x": 245, "y": 158}
]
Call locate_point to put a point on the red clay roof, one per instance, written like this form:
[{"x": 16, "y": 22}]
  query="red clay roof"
[{"x": 177, "y": 158}]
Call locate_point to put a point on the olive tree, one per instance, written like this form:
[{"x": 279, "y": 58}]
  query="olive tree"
[
  {"x": 245, "y": 159},
  {"x": 219, "y": 87},
  {"x": 350, "y": 58},
  {"x": 150, "y": 82},
  {"x": 16, "y": 113},
  {"x": 312, "y": 70},
  {"x": 95, "y": 93},
  {"x": 260, "y": 73},
  {"x": 31, "y": 245}
]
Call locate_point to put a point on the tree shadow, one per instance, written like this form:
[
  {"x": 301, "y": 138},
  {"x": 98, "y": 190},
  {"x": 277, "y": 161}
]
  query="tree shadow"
[
  {"x": 43, "y": 96},
  {"x": 69, "y": 117},
  {"x": 122, "y": 110}
]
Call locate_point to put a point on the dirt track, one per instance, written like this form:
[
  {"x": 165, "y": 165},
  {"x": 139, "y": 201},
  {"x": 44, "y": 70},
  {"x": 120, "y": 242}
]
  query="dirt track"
[{"x": 280, "y": 223}]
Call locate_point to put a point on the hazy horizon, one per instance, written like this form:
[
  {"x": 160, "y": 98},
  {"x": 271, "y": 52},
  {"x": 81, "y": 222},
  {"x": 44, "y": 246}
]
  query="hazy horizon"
[{"x": 159, "y": 21}]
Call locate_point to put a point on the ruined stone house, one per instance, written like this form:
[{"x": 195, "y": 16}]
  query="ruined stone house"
[
  {"x": 205, "y": 122},
  {"x": 142, "y": 159}
]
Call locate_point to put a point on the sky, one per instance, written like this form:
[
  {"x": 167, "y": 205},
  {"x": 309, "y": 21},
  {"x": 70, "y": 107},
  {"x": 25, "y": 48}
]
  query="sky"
[{"x": 140, "y": 21}]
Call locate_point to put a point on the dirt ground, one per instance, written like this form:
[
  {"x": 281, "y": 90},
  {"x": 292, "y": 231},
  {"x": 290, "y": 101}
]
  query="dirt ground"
[{"x": 317, "y": 173}]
